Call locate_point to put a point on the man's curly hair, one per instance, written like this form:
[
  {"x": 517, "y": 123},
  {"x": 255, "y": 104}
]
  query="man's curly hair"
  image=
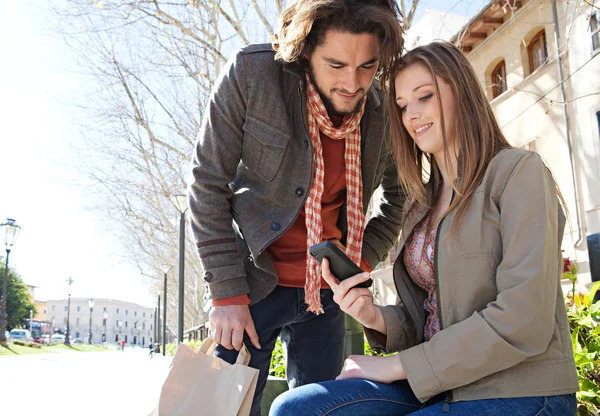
[{"x": 302, "y": 27}]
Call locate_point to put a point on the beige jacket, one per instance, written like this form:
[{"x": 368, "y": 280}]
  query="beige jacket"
[{"x": 504, "y": 329}]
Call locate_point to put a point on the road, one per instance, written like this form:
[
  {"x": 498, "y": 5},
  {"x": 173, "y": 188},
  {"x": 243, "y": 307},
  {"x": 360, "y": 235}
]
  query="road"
[{"x": 82, "y": 383}]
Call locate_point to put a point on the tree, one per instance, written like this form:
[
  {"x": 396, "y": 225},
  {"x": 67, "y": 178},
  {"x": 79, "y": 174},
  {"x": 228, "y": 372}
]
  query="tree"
[
  {"x": 151, "y": 65},
  {"x": 18, "y": 300}
]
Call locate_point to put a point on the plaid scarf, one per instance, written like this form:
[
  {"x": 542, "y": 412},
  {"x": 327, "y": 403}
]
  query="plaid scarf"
[{"x": 318, "y": 119}]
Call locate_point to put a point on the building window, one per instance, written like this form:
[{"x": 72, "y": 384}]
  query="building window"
[
  {"x": 65, "y": 321},
  {"x": 117, "y": 310},
  {"x": 595, "y": 30},
  {"x": 77, "y": 321},
  {"x": 134, "y": 325},
  {"x": 126, "y": 312},
  {"x": 79, "y": 309},
  {"x": 144, "y": 314},
  {"x": 65, "y": 308},
  {"x": 143, "y": 326},
  {"x": 499, "y": 79},
  {"x": 135, "y": 313},
  {"x": 125, "y": 324},
  {"x": 538, "y": 51},
  {"x": 150, "y": 327},
  {"x": 104, "y": 310},
  {"x": 52, "y": 308}
]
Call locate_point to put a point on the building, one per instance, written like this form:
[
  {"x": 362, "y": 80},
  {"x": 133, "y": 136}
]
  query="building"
[
  {"x": 111, "y": 320},
  {"x": 538, "y": 61}
]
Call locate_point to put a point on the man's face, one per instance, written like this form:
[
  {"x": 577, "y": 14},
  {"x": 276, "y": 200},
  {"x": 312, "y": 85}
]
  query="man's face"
[{"x": 343, "y": 68}]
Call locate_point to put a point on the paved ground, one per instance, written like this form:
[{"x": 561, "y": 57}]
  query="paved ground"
[{"x": 82, "y": 383}]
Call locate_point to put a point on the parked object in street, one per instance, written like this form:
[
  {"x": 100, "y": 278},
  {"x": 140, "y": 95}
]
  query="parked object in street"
[
  {"x": 57, "y": 339},
  {"x": 21, "y": 335}
]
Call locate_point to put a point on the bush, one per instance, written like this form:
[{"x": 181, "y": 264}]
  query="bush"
[
  {"x": 172, "y": 348},
  {"x": 277, "y": 367},
  {"x": 584, "y": 317}
]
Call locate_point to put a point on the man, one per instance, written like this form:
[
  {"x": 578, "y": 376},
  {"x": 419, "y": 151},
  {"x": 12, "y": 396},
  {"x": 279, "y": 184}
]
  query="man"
[{"x": 293, "y": 143}]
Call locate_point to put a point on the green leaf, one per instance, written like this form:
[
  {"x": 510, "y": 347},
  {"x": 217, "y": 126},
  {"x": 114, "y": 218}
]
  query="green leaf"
[
  {"x": 592, "y": 290},
  {"x": 595, "y": 311},
  {"x": 587, "y": 321}
]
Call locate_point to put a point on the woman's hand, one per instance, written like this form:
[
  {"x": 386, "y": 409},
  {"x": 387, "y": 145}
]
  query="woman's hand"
[
  {"x": 380, "y": 369},
  {"x": 355, "y": 301}
]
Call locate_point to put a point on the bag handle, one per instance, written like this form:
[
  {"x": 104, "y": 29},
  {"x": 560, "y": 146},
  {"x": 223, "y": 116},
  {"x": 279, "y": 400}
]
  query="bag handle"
[{"x": 209, "y": 345}]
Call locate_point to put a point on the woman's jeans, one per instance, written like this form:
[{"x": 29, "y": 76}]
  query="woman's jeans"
[{"x": 356, "y": 397}]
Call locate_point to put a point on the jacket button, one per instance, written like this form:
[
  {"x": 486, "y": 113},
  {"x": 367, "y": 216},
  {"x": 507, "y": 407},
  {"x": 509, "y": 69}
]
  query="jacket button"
[
  {"x": 208, "y": 276},
  {"x": 306, "y": 144},
  {"x": 275, "y": 226},
  {"x": 299, "y": 191}
]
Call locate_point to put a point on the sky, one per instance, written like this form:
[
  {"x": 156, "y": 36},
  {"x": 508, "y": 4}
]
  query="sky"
[{"x": 60, "y": 236}]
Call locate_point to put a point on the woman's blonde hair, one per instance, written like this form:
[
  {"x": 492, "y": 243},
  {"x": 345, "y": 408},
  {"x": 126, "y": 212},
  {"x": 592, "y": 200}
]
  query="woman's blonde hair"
[
  {"x": 303, "y": 25},
  {"x": 477, "y": 135}
]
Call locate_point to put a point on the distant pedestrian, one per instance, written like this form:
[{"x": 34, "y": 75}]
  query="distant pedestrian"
[
  {"x": 122, "y": 345},
  {"x": 151, "y": 352}
]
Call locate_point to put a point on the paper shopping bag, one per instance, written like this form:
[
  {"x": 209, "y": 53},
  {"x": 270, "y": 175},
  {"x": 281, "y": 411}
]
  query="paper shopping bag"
[{"x": 200, "y": 384}]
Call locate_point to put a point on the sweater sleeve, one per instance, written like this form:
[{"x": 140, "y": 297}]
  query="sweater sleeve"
[{"x": 214, "y": 164}]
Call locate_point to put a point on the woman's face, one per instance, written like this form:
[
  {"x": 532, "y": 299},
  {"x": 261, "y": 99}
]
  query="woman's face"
[{"x": 421, "y": 116}]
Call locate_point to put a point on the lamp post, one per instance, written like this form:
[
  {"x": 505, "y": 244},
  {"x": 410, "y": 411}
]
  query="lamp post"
[
  {"x": 155, "y": 336},
  {"x": 11, "y": 231},
  {"x": 158, "y": 322},
  {"x": 165, "y": 268},
  {"x": 181, "y": 203},
  {"x": 69, "y": 282},
  {"x": 91, "y": 305}
]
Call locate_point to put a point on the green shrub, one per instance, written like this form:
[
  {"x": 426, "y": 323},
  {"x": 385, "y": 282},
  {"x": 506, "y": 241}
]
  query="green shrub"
[
  {"x": 584, "y": 317},
  {"x": 21, "y": 343},
  {"x": 171, "y": 348},
  {"x": 277, "y": 367}
]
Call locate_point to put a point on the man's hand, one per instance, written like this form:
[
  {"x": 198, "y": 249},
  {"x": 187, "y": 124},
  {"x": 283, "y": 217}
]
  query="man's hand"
[
  {"x": 379, "y": 369},
  {"x": 228, "y": 323},
  {"x": 355, "y": 301}
]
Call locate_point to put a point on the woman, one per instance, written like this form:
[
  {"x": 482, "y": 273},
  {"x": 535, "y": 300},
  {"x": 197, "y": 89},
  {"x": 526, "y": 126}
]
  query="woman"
[{"x": 480, "y": 326}]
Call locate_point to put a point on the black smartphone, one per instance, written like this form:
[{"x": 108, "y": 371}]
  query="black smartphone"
[{"x": 341, "y": 266}]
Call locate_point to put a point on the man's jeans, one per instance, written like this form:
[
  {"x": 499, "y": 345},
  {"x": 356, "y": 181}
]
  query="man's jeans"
[
  {"x": 314, "y": 343},
  {"x": 356, "y": 397}
]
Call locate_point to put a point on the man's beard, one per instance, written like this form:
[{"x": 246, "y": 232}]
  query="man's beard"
[{"x": 329, "y": 106}]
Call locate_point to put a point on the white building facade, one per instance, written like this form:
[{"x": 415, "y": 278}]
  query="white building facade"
[
  {"x": 546, "y": 98},
  {"x": 111, "y": 320}
]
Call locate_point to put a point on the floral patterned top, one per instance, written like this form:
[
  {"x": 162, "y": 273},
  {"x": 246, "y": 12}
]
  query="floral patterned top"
[{"x": 421, "y": 270}]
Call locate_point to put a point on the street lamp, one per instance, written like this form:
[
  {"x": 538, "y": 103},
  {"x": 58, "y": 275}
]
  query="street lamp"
[
  {"x": 69, "y": 282},
  {"x": 91, "y": 305},
  {"x": 11, "y": 231},
  {"x": 158, "y": 322},
  {"x": 165, "y": 268},
  {"x": 181, "y": 203}
]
